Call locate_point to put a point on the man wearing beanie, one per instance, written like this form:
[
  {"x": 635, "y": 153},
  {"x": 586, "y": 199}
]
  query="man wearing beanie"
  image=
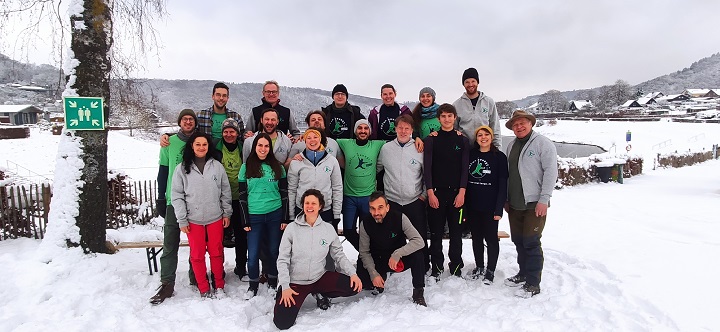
[
  {"x": 230, "y": 149},
  {"x": 361, "y": 156},
  {"x": 340, "y": 116},
  {"x": 170, "y": 157},
  {"x": 475, "y": 109}
]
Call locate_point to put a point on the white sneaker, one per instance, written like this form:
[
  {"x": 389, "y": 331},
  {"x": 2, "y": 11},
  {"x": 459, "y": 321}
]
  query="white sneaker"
[{"x": 220, "y": 293}]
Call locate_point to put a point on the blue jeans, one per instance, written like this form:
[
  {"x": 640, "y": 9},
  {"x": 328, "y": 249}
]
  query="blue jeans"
[
  {"x": 264, "y": 228},
  {"x": 352, "y": 208}
]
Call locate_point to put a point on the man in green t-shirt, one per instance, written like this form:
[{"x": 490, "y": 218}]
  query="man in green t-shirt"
[
  {"x": 230, "y": 149},
  {"x": 361, "y": 156},
  {"x": 171, "y": 156}
]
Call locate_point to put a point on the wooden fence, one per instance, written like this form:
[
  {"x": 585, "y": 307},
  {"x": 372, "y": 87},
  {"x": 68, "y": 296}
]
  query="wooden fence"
[{"x": 24, "y": 208}]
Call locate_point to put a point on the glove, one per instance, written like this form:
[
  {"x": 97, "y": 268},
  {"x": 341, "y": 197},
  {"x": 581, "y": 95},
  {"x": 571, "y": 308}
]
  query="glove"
[{"x": 161, "y": 206}]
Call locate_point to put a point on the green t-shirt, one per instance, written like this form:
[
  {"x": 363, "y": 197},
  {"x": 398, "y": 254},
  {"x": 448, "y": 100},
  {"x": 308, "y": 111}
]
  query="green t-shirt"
[
  {"x": 217, "y": 120},
  {"x": 171, "y": 156},
  {"x": 264, "y": 192},
  {"x": 360, "y": 166},
  {"x": 427, "y": 126},
  {"x": 232, "y": 160}
]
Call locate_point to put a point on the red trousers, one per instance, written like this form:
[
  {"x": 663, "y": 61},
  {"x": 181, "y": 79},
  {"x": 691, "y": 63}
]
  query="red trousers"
[{"x": 202, "y": 239}]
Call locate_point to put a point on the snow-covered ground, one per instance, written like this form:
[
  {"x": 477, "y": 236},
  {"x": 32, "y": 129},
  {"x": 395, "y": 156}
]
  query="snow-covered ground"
[{"x": 632, "y": 257}]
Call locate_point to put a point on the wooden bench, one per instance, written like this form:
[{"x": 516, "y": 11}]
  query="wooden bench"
[{"x": 152, "y": 249}]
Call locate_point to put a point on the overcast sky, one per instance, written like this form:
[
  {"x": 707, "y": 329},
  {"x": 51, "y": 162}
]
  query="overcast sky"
[{"x": 519, "y": 47}]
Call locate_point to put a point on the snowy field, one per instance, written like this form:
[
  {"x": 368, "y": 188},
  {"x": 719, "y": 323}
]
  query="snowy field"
[{"x": 630, "y": 257}]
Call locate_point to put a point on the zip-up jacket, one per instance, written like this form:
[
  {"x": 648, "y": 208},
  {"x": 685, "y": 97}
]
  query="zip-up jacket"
[
  {"x": 325, "y": 177},
  {"x": 383, "y": 128},
  {"x": 538, "y": 168},
  {"x": 303, "y": 249},
  {"x": 201, "y": 198},
  {"x": 470, "y": 118}
]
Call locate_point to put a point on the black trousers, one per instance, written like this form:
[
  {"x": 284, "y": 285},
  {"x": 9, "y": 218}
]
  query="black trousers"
[
  {"x": 483, "y": 226},
  {"x": 417, "y": 214},
  {"x": 241, "y": 246},
  {"x": 413, "y": 262},
  {"x": 437, "y": 218},
  {"x": 525, "y": 232}
]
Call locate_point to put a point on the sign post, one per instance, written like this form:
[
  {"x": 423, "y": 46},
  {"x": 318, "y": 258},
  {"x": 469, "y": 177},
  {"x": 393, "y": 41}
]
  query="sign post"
[{"x": 84, "y": 113}]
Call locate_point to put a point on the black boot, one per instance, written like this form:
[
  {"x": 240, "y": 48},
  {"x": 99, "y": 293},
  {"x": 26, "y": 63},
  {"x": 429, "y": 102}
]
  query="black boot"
[
  {"x": 252, "y": 290},
  {"x": 323, "y": 302},
  {"x": 418, "y": 296},
  {"x": 165, "y": 291}
]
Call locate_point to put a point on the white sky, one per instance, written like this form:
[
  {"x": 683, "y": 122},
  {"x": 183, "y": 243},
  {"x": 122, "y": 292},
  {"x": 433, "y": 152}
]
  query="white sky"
[{"x": 519, "y": 47}]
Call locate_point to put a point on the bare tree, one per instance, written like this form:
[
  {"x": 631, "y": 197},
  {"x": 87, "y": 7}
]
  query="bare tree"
[
  {"x": 93, "y": 34},
  {"x": 552, "y": 101},
  {"x": 506, "y": 108}
]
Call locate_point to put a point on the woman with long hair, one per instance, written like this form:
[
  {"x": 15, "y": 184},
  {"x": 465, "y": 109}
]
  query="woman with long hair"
[
  {"x": 301, "y": 264},
  {"x": 485, "y": 198},
  {"x": 425, "y": 113},
  {"x": 201, "y": 198},
  {"x": 263, "y": 198}
]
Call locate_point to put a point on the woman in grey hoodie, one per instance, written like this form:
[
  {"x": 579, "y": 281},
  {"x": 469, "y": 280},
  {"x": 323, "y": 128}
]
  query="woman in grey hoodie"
[
  {"x": 201, "y": 198},
  {"x": 301, "y": 263}
]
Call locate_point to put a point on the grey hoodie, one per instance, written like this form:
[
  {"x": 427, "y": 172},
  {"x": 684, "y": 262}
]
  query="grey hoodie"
[
  {"x": 303, "y": 249},
  {"x": 403, "y": 167},
  {"x": 326, "y": 177},
  {"x": 470, "y": 118},
  {"x": 538, "y": 168},
  {"x": 201, "y": 198},
  {"x": 281, "y": 148}
]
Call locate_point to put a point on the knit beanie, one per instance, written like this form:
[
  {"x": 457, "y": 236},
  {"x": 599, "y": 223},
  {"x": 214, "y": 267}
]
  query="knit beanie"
[
  {"x": 470, "y": 73},
  {"x": 492, "y": 135},
  {"x": 230, "y": 123},
  {"x": 429, "y": 90},
  {"x": 359, "y": 122},
  {"x": 340, "y": 88},
  {"x": 185, "y": 112}
]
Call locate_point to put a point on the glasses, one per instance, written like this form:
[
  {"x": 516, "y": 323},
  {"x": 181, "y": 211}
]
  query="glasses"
[
  {"x": 339, "y": 94},
  {"x": 271, "y": 92},
  {"x": 187, "y": 120}
]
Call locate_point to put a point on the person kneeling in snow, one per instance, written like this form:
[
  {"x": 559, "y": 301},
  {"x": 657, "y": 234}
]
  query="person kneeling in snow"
[
  {"x": 388, "y": 236},
  {"x": 301, "y": 262}
]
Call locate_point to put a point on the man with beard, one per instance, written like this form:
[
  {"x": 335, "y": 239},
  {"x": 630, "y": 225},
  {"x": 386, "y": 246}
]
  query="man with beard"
[
  {"x": 170, "y": 156},
  {"x": 316, "y": 119},
  {"x": 386, "y": 237},
  {"x": 475, "y": 109},
  {"x": 340, "y": 115},
  {"x": 271, "y": 99},
  {"x": 210, "y": 120},
  {"x": 281, "y": 144}
]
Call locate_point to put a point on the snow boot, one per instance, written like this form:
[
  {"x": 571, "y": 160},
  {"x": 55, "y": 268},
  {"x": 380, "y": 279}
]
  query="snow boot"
[
  {"x": 165, "y": 291},
  {"x": 515, "y": 281},
  {"x": 323, "y": 302},
  {"x": 418, "y": 296},
  {"x": 527, "y": 291},
  {"x": 475, "y": 274},
  {"x": 489, "y": 277},
  {"x": 252, "y": 290}
]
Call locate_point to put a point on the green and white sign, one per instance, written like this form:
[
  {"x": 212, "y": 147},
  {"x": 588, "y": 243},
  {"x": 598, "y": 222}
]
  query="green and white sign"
[{"x": 84, "y": 113}]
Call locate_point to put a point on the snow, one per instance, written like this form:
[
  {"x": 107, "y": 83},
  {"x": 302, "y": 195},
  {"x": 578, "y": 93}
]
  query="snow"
[{"x": 618, "y": 257}]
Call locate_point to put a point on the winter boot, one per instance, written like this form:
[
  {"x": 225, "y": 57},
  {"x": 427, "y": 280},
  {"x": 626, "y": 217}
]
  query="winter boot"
[
  {"x": 489, "y": 277},
  {"x": 323, "y": 302},
  {"x": 165, "y": 291},
  {"x": 207, "y": 295},
  {"x": 252, "y": 290},
  {"x": 475, "y": 274},
  {"x": 418, "y": 296},
  {"x": 272, "y": 282},
  {"x": 515, "y": 281},
  {"x": 527, "y": 291}
]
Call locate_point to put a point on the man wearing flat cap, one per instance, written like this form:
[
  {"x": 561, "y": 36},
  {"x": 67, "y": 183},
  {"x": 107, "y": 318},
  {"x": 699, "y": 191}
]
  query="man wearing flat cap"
[
  {"x": 532, "y": 166},
  {"x": 475, "y": 109}
]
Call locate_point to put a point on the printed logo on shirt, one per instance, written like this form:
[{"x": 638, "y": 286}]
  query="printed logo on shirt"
[
  {"x": 485, "y": 110},
  {"x": 457, "y": 147},
  {"x": 429, "y": 127},
  {"x": 327, "y": 169},
  {"x": 531, "y": 153},
  {"x": 413, "y": 161},
  {"x": 392, "y": 235},
  {"x": 388, "y": 127},
  {"x": 338, "y": 126},
  {"x": 363, "y": 162},
  {"x": 323, "y": 242},
  {"x": 478, "y": 168}
]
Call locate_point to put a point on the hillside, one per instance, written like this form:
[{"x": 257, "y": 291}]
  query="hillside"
[{"x": 704, "y": 73}]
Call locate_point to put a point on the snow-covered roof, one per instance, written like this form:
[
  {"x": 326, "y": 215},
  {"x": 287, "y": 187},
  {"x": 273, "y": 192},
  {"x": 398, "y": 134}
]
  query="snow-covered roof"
[
  {"x": 696, "y": 92},
  {"x": 653, "y": 94},
  {"x": 628, "y": 103},
  {"x": 19, "y": 108},
  {"x": 31, "y": 88},
  {"x": 579, "y": 104},
  {"x": 645, "y": 100},
  {"x": 534, "y": 105}
]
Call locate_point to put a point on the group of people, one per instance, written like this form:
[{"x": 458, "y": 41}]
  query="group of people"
[{"x": 404, "y": 174}]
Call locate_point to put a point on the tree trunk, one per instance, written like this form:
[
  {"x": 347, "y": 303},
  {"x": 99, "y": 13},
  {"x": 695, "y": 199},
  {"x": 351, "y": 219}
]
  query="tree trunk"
[{"x": 91, "y": 41}]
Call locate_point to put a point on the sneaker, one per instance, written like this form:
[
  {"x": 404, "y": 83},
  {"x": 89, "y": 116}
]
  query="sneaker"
[
  {"x": 436, "y": 275},
  {"x": 272, "y": 282},
  {"x": 457, "y": 271},
  {"x": 323, "y": 302},
  {"x": 475, "y": 274},
  {"x": 165, "y": 291},
  {"x": 527, "y": 291},
  {"x": 212, "y": 279},
  {"x": 489, "y": 277},
  {"x": 220, "y": 293},
  {"x": 207, "y": 295},
  {"x": 418, "y": 296},
  {"x": 515, "y": 281},
  {"x": 252, "y": 290}
]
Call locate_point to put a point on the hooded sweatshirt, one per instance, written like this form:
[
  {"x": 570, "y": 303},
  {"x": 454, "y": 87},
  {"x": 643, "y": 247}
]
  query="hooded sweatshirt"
[
  {"x": 201, "y": 198},
  {"x": 403, "y": 167},
  {"x": 471, "y": 117},
  {"x": 303, "y": 249},
  {"x": 538, "y": 168},
  {"x": 326, "y": 177}
]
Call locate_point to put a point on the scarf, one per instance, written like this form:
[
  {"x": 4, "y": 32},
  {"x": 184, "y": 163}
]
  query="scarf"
[{"x": 429, "y": 112}]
